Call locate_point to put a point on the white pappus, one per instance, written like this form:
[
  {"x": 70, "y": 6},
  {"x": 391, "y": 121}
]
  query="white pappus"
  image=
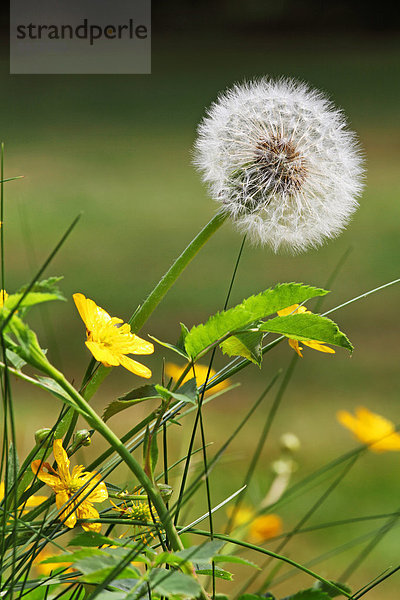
[{"x": 279, "y": 158}]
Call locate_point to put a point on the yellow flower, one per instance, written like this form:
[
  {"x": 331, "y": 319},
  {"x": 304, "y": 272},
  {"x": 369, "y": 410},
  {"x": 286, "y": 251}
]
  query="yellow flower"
[
  {"x": 47, "y": 568},
  {"x": 314, "y": 344},
  {"x": 30, "y": 503},
  {"x": 140, "y": 511},
  {"x": 3, "y": 297},
  {"x": 66, "y": 485},
  {"x": 257, "y": 529},
  {"x": 372, "y": 429},
  {"x": 265, "y": 527},
  {"x": 108, "y": 340},
  {"x": 175, "y": 371}
]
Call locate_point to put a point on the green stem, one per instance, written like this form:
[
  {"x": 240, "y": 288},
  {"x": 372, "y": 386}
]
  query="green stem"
[
  {"x": 96, "y": 422},
  {"x": 165, "y": 283},
  {"x": 154, "y": 298}
]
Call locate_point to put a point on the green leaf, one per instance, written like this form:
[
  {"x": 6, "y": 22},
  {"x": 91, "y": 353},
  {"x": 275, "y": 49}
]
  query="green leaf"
[
  {"x": 220, "y": 573},
  {"x": 251, "y": 310},
  {"x": 309, "y": 594},
  {"x": 49, "y": 285},
  {"x": 140, "y": 394},
  {"x": 27, "y": 346},
  {"x": 188, "y": 392},
  {"x": 93, "y": 539},
  {"x": 172, "y": 347},
  {"x": 203, "y": 553},
  {"x": 308, "y": 327},
  {"x": 323, "y": 587},
  {"x": 234, "y": 559},
  {"x": 100, "y": 575},
  {"x": 153, "y": 451},
  {"x": 257, "y": 597},
  {"x": 16, "y": 361},
  {"x": 170, "y": 583},
  {"x": 31, "y": 299},
  {"x": 248, "y": 345}
]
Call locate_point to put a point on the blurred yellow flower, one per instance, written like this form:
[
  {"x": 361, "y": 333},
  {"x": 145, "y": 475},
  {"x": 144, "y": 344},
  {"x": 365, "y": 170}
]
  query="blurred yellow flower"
[
  {"x": 108, "y": 340},
  {"x": 175, "y": 371},
  {"x": 372, "y": 429},
  {"x": 31, "y": 502},
  {"x": 3, "y": 297},
  {"x": 314, "y": 344},
  {"x": 258, "y": 529},
  {"x": 265, "y": 527},
  {"x": 66, "y": 486},
  {"x": 47, "y": 568}
]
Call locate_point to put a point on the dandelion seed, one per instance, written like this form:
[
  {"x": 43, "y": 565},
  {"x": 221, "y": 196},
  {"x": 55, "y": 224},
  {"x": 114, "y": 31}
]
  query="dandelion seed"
[
  {"x": 372, "y": 429},
  {"x": 109, "y": 339},
  {"x": 75, "y": 492},
  {"x": 279, "y": 159}
]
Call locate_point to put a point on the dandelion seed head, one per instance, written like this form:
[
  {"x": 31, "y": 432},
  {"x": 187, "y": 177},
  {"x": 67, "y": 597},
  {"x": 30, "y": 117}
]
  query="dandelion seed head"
[{"x": 280, "y": 160}]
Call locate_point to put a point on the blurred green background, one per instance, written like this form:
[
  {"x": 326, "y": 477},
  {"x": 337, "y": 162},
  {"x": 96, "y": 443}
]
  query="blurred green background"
[{"x": 119, "y": 149}]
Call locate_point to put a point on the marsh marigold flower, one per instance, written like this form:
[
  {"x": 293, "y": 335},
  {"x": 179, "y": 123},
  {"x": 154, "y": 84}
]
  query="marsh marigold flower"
[
  {"x": 258, "y": 529},
  {"x": 279, "y": 159},
  {"x": 3, "y": 297},
  {"x": 31, "y": 502},
  {"x": 175, "y": 371},
  {"x": 314, "y": 344},
  {"x": 265, "y": 527},
  {"x": 372, "y": 429},
  {"x": 75, "y": 492},
  {"x": 109, "y": 339}
]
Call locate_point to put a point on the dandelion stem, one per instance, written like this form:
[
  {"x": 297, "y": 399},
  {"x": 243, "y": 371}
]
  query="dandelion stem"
[{"x": 165, "y": 283}]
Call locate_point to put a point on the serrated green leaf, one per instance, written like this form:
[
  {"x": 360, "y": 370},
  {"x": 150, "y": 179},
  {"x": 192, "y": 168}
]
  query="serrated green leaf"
[
  {"x": 188, "y": 392},
  {"x": 181, "y": 341},
  {"x": 140, "y": 394},
  {"x": 172, "y": 347},
  {"x": 309, "y": 595},
  {"x": 220, "y": 573},
  {"x": 251, "y": 310},
  {"x": 170, "y": 583},
  {"x": 31, "y": 299},
  {"x": 99, "y": 576},
  {"x": 248, "y": 345},
  {"x": 46, "y": 285},
  {"x": 323, "y": 587},
  {"x": 234, "y": 559},
  {"x": 308, "y": 327},
  {"x": 203, "y": 553},
  {"x": 94, "y": 539}
]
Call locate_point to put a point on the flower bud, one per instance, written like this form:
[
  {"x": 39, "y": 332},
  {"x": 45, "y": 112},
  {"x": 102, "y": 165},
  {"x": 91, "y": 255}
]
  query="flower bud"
[
  {"x": 289, "y": 442},
  {"x": 43, "y": 435},
  {"x": 82, "y": 438}
]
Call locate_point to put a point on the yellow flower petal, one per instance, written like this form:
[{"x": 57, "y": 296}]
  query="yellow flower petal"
[
  {"x": 67, "y": 509},
  {"x": 51, "y": 480},
  {"x": 62, "y": 460},
  {"x": 87, "y": 511},
  {"x": 320, "y": 346},
  {"x": 296, "y": 347},
  {"x": 372, "y": 429},
  {"x": 34, "y": 501},
  {"x": 265, "y": 527},
  {"x": 109, "y": 339},
  {"x": 102, "y": 354},
  {"x": 134, "y": 367},
  {"x": 91, "y": 484},
  {"x": 175, "y": 371}
]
